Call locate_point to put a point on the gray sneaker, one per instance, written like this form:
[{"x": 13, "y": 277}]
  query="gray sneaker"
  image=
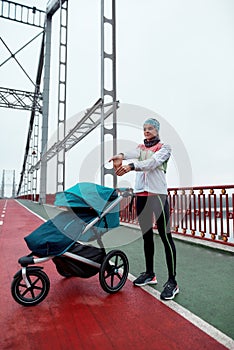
[
  {"x": 170, "y": 290},
  {"x": 145, "y": 278}
]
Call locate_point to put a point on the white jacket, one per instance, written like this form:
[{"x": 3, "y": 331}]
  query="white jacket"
[{"x": 150, "y": 168}]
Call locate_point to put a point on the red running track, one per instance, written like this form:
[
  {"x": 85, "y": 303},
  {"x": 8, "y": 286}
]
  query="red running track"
[{"x": 77, "y": 314}]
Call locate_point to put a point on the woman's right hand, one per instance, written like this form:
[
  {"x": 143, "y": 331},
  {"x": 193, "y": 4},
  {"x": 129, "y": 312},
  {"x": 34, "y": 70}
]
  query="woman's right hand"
[{"x": 117, "y": 161}]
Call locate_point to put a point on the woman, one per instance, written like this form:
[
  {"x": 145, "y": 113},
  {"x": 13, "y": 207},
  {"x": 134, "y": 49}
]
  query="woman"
[{"x": 150, "y": 161}]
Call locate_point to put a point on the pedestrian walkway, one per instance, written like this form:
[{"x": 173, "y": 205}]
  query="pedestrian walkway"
[{"x": 78, "y": 314}]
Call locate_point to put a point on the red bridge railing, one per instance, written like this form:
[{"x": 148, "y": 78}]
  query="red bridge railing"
[
  {"x": 204, "y": 212},
  {"x": 201, "y": 212}
]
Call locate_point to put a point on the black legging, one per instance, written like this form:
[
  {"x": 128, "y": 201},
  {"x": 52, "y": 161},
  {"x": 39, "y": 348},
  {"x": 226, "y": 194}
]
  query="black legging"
[{"x": 157, "y": 205}]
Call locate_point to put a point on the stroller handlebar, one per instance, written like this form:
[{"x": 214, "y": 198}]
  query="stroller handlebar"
[{"x": 125, "y": 191}]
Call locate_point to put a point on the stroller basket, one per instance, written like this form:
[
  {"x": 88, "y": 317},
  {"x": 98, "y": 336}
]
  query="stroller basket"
[{"x": 67, "y": 267}]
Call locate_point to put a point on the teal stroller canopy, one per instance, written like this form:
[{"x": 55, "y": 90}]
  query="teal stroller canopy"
[
  {"x": 86, "y": 195},
  {"x": 85, "y": 202}
]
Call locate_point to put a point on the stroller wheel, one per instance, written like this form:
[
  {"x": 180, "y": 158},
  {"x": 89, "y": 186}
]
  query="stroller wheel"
[
  {"x": 113, "y": 272},
  {"x": 38, "y": 290}
]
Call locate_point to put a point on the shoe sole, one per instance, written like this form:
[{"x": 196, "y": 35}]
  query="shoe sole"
[
  {"x": 173, "y": 296},
  {"x": 144, "y": 284}
]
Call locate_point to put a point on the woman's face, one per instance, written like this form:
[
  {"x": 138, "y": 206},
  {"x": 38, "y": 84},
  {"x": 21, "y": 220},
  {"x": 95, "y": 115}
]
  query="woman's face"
[{"x": 150, "y": 131}]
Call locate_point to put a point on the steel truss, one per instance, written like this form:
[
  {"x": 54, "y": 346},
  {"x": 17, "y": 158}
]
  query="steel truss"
[
  {"x": 88, "y": 123},
  {"x": 38, "y": 103},
  {"x": 22, "y": 13},
  {"x": 8, "y": 181},
  {"x": 62, "y": 92},
  {"x": 25, "y": 100},
  {"x": 18, "y": 99},
  {"x": 108, "y": 20}
]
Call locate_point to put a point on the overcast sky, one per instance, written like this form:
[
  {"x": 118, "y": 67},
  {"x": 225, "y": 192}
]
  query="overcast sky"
[{"x": 174, "y": 58}]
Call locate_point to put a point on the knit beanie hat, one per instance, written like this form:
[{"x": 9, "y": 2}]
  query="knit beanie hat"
[{"x": 153, "y": 122}]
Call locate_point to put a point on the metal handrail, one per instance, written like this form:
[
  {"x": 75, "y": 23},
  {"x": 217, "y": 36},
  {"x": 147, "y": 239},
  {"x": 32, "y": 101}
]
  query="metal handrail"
[{"x": 204, "y": 212}]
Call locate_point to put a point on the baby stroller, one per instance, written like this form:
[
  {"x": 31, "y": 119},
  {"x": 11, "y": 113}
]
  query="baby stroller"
[{"x": 91, "y": 210}]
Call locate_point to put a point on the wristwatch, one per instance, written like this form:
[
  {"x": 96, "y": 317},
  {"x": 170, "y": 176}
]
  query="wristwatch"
[{"x": 132, "y": 166}]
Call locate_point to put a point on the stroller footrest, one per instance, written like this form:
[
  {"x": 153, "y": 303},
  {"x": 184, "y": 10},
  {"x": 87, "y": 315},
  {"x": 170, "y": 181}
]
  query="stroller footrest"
[{"x": 26, "y": 260}]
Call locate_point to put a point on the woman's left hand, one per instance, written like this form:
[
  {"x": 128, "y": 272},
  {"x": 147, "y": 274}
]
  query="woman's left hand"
[{"x": 123, "y": 169}]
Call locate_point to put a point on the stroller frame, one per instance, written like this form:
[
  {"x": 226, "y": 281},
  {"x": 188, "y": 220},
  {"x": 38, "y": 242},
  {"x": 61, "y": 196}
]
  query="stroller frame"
[{"x": 31, "y": 285}]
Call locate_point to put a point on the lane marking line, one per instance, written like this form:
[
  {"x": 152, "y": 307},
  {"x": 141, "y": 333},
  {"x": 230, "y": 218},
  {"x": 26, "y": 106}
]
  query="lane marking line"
[
  {"x": 40, "y": 217},
  {"x": 189, "y": 316}
]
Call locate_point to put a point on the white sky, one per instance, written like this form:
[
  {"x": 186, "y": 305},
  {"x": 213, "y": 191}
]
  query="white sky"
[{"x": 174, "y": 57}]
